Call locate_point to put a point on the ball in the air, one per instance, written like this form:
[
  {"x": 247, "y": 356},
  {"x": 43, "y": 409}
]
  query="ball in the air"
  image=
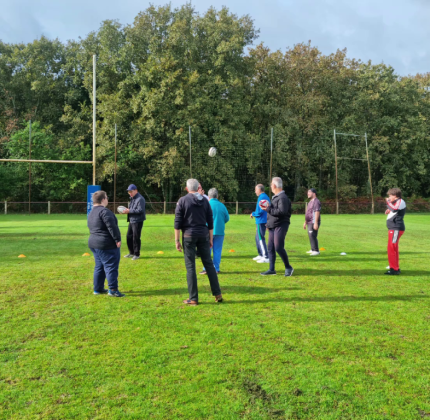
[
  {"x": 264, "y": 204},
  {"x": 121, "y": 209},
  {"x": 212, "y": 151}
]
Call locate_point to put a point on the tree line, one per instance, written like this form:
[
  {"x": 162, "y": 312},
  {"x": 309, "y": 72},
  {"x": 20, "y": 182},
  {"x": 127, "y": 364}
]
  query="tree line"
[{"x": 175, "y": 68}]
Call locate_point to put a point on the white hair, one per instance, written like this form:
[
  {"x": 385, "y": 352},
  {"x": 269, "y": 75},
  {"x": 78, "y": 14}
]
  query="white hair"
[
  {"x": 213, "y": 193},
  {"x": 192, "y": 184},
  {"x": 277, "y": 181}
]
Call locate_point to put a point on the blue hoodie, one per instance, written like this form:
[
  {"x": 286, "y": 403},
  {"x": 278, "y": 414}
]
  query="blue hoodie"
[
  {"x": 220, "y": 215},
  {"x": 260, "y": 215}
]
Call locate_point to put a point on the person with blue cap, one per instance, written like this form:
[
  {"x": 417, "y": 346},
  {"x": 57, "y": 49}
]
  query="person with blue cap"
[{"x": 136, "y": 215}]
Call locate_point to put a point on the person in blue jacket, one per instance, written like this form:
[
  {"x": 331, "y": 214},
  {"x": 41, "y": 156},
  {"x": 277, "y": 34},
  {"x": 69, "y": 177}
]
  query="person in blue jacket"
[
  {"x": 260, "y": 221},
  {"x": 221, "y": 217}
]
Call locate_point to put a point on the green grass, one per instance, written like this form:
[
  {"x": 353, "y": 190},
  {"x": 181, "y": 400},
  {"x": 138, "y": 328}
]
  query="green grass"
[{"x": 338, "y": 340}]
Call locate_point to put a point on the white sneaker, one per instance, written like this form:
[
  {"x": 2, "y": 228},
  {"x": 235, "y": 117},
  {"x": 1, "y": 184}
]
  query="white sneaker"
[
  {"x": 313, "y": 253},
  {"x": 257, "y": 258},
  {"x": 263, "y": 260},
  {"x": 309, "y": 252},
  {"x": 129, "y": 256},
  {"x": 388, "y": 267}
]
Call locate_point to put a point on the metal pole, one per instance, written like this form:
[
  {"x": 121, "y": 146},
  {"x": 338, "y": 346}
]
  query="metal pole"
[
  {"x": 5, "y": 207},
  {"x": 46, "y": 161},
  {"x": 271, "y": 155},
  {"x": 49, "y": 207},
  {"x": 94, "y": 120},
  {"x": 335, "y": 161},
  {"x": 370, "y": 176},
  {"x": 114, "y": 177},
  {"x": 29, "y": 171},
  {"x": 189, "y": 131}
]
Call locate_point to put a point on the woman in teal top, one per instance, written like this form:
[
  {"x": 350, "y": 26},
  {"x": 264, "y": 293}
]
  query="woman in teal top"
[{"x": 221, "y": 217}]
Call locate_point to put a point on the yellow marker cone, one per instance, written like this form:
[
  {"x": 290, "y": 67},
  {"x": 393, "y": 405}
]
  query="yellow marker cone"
[
  {"x": 86, "y": 255},
  {"x": 22, "y": 256},
  {"x": 322, "y": 249},
  {"x": 232, "y": 250},
  {"x": 160, "y": 252}
]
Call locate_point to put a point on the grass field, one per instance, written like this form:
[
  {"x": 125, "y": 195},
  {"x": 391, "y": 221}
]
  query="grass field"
[{"x": 338, "y": 340}]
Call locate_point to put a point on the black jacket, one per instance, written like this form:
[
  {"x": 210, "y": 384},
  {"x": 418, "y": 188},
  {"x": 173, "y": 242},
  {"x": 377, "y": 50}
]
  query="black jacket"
[
  {"x": 279, "y": 211},
  {"x": 104, "y": 231},
  {"x": 397, "y": 213},
  {"x": 137, "y": 209},
  {"x": 193, "y": 215}
]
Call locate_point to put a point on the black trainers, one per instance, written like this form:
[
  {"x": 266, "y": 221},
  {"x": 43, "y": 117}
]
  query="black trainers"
[
  {"x": 116, "y": 293},
  {"x": 101, "y": 292},
  {"x": 392, "y": 272},
  {"x": 268, "y": 273},
  {"x": 289, "y": 272}
]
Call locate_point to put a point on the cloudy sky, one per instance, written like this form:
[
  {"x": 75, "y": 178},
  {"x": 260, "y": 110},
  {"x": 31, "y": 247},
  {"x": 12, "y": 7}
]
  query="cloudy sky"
[{"x": 396, "y": 32}]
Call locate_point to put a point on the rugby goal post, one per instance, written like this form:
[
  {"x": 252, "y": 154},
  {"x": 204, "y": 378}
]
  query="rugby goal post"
[
  {"x": 368, "y": 165},
  {"x": 89, "y": 162}
]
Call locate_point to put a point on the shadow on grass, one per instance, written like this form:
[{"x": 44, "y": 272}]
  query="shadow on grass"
[
  {"x": 355, "y": 273},
  {"x": 258, "y": 290},
  {"x": 38, "y": 234},
  {"x": 335, "y": 299}
]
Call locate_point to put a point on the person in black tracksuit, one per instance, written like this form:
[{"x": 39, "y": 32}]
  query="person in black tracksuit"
[
  {"x": 194, "y": 219},
  {"x": 278, "y": 222},
  {"x": 136, "y": 215}
]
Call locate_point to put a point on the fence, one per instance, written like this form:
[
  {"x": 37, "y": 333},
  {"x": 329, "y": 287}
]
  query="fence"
[{"x": 235, "y": 207}]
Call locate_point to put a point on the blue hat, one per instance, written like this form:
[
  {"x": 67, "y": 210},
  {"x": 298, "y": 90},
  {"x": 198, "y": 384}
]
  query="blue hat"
[{"x": 131, "y": 187}]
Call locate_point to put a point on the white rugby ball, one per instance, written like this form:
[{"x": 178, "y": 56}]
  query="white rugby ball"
[
  {"x": 264, "y": 204},
  {"x": 121, "y": 209},
  {"x": 212, "y": 151}
]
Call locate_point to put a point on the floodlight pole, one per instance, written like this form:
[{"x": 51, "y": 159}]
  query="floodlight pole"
[
  {"x": 94, "y": 120},
  {"x": 189, "y": 131},
  {"x": 271, "y": 159},
  {"x": 29, "y": 170},
  {"x": 335, "y": 162},
  {"x": 114, "y": 178},
  {"x": 370, "y": 176}
]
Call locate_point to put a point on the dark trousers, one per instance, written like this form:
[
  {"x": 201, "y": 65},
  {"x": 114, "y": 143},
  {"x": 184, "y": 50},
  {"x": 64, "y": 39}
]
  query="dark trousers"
[
  {"x": 313, "y": 237},
  {"x": 277, "y": 245},
  {"x": 203, "y": 247},
  {"x": 260, "y": 240},
  {"x": 107, "y": 263},
  {"x": 133, "y": 238}
]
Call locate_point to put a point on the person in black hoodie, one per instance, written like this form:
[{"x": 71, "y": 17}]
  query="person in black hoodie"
[
  {"x": 193, "y": 216},
  {"x": 278, "y": 222},
  {"x": 105, "y": 243}
]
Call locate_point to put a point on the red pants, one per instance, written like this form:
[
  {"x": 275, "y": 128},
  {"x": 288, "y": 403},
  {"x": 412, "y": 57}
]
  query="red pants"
[{"x": 393, "y": 248}]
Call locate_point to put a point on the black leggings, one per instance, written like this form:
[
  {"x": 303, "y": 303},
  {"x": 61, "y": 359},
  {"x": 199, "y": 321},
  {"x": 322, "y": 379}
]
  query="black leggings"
[{"x": 277, "y": 245}]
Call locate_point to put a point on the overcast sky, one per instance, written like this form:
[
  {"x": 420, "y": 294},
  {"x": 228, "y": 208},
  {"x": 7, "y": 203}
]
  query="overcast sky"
[{"x": 396, "y": 32}]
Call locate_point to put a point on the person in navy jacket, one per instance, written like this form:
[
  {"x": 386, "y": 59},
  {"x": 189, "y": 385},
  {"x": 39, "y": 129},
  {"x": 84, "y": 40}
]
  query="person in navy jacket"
[
  {"x": 260, "y": 217},
  {"x": 136, "y": 215}
]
